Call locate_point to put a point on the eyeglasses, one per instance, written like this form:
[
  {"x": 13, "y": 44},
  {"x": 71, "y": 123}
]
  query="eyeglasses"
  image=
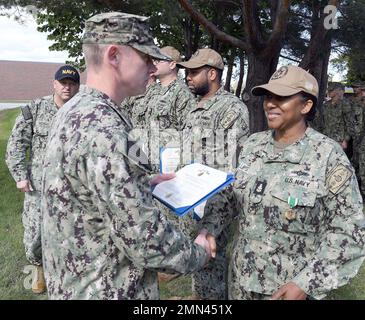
[{"x": 156, "y": 62}]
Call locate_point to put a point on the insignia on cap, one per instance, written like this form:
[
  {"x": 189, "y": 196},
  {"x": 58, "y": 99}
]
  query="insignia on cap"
[
  {"x": 279, "y": 73},
  {"x": 67, "y": 71},
  {"x": 337, "y": 177}
]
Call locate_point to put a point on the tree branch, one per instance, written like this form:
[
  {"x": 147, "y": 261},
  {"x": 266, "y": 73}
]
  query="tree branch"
[
  {"x": 252, "y": 25},
  {"x": 317, "y": 39},
  {"x": 290, "y": 58},
  {"x": 281, "y": 22},
  {"x": 211, "y": 28}
]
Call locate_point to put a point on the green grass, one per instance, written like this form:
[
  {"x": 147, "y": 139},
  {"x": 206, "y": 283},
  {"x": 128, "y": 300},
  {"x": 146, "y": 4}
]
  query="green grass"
[
  {"x": 13, "y": 261},
  {"x": 12, "y": 257}
]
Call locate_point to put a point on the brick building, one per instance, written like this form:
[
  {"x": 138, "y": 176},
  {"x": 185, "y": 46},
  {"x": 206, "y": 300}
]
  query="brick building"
[{"x": 27, "y": 80}]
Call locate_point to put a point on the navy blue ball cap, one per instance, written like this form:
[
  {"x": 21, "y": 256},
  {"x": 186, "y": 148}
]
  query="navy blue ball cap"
[{"x": 67, "y": 72}]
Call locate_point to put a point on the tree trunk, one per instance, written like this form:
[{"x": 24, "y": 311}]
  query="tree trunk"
[
  {"x": 230, "y": 63},
  {"x": 188, "y": 36},
  {"x": 242, "y": 73},
  {"x": 196, "y": 40},
  {"x": 319, "y": 69},
  {"x": 259, "y": 72}
]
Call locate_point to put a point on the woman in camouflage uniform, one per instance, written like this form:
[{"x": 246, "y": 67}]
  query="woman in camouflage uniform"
[{"x": 301, "y": 223}]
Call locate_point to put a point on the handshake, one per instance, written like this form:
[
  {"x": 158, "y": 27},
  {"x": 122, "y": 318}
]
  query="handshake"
[{"x": 207, "y": 241}]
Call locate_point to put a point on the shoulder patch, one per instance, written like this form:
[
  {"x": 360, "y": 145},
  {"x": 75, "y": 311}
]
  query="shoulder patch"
[
  {"x": 27, "y": 115},
  {"x": 229, "y": 118},
  {"x": 337, "y": 177}
]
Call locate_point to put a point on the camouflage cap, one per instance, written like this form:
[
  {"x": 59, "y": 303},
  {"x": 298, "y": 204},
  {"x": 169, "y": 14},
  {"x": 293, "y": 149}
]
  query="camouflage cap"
[
  {"x": 204, "y": 57},
  {"x": 124, "y": 29},
  {"x": 335, "y": 85},
  {"x": 288, "y": 80},
  {"x": 171, "y": 52}
]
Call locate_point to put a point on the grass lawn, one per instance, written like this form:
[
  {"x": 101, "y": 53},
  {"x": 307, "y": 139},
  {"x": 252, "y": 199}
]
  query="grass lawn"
[{"x": 12, "y": 258}]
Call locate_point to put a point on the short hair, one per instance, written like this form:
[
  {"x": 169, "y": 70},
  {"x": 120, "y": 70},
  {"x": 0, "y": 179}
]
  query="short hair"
[
  {"x": 219, "y": 74},
  {"x": 93, "y": 54},
  {"x": 312, "y": 113},
  {"x": 218, "y": 71}
]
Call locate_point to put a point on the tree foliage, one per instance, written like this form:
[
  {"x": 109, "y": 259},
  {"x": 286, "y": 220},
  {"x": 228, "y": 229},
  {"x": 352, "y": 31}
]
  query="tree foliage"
[
  {"x": 351, "y": 39},
  {"x": 257, "y": 31}
]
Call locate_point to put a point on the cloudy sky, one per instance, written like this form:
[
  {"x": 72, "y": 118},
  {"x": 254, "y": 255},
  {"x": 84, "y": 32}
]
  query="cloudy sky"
[{"x": 25, "y": 43}]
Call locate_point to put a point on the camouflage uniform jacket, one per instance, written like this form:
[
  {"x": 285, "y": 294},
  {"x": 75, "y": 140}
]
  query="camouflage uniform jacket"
[
  {"x": 102, "y": 237},
  {"x": 30, "y": 133},
  {"x": 315, "y": 238},
  {"x": 136, "y": 106},
  {"x": 337, "y": 120},
  {"x": 358, "y": 111},
  {"x": 216, "y": 129},
  {"x": 171, "y": 105}
]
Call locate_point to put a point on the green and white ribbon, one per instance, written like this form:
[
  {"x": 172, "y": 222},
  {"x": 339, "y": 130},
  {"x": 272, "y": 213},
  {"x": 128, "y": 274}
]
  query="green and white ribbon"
[{"x": 293, "y": 202}]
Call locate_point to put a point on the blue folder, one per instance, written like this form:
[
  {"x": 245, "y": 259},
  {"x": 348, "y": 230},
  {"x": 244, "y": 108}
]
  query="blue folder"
[{"x": 184, "y": 210}]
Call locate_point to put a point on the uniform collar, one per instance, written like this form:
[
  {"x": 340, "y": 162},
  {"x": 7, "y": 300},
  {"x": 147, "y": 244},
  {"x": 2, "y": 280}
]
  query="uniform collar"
[
  {"x": 53, "y": 103},
  {"x": 101, "y": 95},
  {"x": 292, "y": 153},
  {"x": 165, "y": 89},
  {"x": 206, "y": 104}
]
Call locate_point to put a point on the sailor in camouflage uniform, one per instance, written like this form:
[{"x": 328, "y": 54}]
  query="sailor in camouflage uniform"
[
  {"x": 358, "y": 111},
  {"x": 30, "y": 134},
  {"x": 174, "y": 101},
  {"x": 136, "y": 106},
  {"x": 167, "y": 111},
  {"x": 102, "y": 236},
  {"x": 337, "y": 116},
  {"x": 301, "y": 226},
  {"x": 215, "y": 129}
]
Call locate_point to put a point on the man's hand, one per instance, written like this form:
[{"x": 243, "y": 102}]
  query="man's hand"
[
  {"x": 207, "y": 241},
  {"x": 212, "y": 244},
  {"x": 162, "y": 177},
  {"x": 24, "y": 186},
  {"x": 289, "y": 291}
]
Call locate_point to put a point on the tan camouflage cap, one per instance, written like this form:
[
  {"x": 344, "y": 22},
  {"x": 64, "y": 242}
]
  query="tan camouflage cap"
[
  {"x": 121, "y": 28},
  {"x": 288, "y": 80},
  {"x": 204, "y": 57},
  {"x": 173, "y": 53}
]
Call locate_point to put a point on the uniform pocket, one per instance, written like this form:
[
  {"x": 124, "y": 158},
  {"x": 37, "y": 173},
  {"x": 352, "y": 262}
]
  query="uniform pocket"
[
  {"x": 302, "y": 217},
  {"x": 41, "y": 128}
]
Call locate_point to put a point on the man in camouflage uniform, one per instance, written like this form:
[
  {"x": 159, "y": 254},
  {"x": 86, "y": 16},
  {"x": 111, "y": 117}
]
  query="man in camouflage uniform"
[
  {"x": 174, "y": 101},
  {"x": 102, "y": 236},
  {"x": 215, "y": 129},
  {"x": 337, "y": 116},
  {"x": 167, "y": 111},
  {"x": 301, "y": 226},
  {"x": 30, "y": 134},
  {"x": 136, "y": 106},
  {"x": 358, "y": 109}
]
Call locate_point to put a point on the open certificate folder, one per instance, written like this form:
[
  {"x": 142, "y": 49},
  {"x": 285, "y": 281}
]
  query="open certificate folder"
[{"x": 193, "y": 184}]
